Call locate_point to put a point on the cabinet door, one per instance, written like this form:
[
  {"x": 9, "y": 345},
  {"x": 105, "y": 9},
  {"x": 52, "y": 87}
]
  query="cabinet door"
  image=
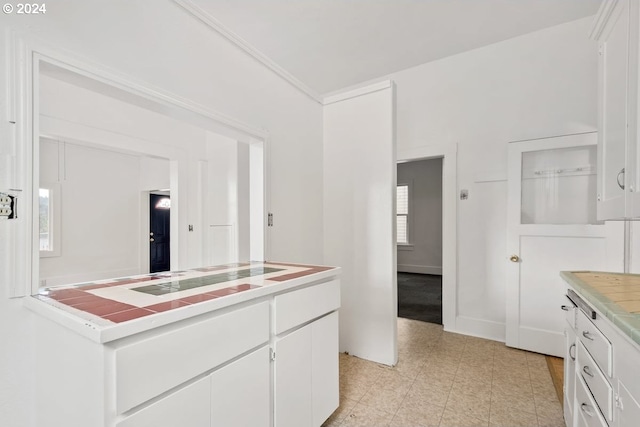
[
  {"x": 325, "y": 371},
  {"x": 629, "y": 408},
  {"x": 189, "y": 406},
  {"x": 569, "y": 374},
  {"x": 613, "y": 113},
  {"x": 240, "y": 392},
  {"x": 292, "y": 374}
]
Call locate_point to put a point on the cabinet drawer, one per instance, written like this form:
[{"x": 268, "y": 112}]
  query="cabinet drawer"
[
  {"x": 150, "y": 367},
  {"x": 595, "y": 342},
  {"x": 570, "y": 313},
  {"x": 190, "y": 406},
  {"x": 596, "y": 381},
  {"x": 297, "y": 307},
  {"x": 587, "y": 411}
]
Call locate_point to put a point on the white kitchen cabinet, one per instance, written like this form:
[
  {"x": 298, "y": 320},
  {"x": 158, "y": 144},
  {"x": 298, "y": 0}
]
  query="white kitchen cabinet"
[
  {"x": 232, "y": 386},
  {"x": 629, "y": 408},
  {"x": 324, "y": 368},
  {"x": 211, "y": 369},
  {"x": 617, "y": 30},
  {"x": 569, "y": 371},
  {"x": 602, "y": 383},
  {"x": 293, "y": 379},
  {"x": 306, "y": 367},
  {"x": 188, "y": 406},
  {"x": 306, "y": 379}
]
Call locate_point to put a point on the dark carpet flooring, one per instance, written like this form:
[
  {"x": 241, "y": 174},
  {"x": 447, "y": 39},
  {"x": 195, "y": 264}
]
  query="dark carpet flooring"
[{"x": 420, "y": 297}]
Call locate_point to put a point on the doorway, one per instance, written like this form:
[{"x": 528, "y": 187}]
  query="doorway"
[
  {"x": 448, "y": 155},
  {"x": 159, "y": 232},
  {"x": 419, "y": 239}
]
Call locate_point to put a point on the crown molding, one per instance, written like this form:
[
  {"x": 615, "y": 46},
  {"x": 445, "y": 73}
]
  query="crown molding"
[
  {"x": 602, "y": 17},
  {"x": 375, "y": 87},
  {"x": 206, "y": 18}
]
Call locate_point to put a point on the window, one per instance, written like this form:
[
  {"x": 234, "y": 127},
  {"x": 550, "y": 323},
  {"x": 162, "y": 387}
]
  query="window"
[
  {"x": 402, "y": 210},
  {"x": 49, "y": 220}
]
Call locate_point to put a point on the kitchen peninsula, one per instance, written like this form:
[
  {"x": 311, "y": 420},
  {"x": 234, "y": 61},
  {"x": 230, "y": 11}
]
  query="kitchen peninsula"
[{"x": 191, "y": 348}]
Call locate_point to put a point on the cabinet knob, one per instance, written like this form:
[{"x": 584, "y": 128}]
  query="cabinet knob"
[
  {"x": 514, "y": 258},
  {"x": 620, "y": 174},
  {"x": 586, "y": 409},
  {"x": 587, "y": 371},
  {"x": 572, "y": 356},
  {"x": 587, "y": 335}
]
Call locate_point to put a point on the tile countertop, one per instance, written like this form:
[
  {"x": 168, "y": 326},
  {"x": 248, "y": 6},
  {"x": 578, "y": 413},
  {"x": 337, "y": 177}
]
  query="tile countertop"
[
  {"x": 616, "y": 295},
  {"x": 106, "y": 310}
]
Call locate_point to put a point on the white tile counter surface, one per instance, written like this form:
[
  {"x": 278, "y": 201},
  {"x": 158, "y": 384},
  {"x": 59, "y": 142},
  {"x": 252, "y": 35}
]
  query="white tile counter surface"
[{"x": 107, "y": 310}]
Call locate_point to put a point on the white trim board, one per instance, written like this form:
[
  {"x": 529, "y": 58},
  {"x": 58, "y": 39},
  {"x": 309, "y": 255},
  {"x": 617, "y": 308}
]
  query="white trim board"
[
  {"x": 215, "y": 25},
  {"x": 480, "y": 328},
  {"x": 448, "y": 153},
  {"x": 358, "y": 92}
]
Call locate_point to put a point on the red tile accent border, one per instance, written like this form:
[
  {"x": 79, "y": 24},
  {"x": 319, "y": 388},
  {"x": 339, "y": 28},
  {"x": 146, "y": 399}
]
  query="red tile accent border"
[
  {"x": 222, "y": 292},
  {"x": 318, "y": 268},
  {"x": 165, "y": 306},
  {"x": 300, "y": 274},
  {"x": 126, "y": 315},
  {"x": 243, "y": 287},
  {"x": 198, "y": 298},
  {"x": 63, "y": 294},
  {"x": 106, "y": 309}
]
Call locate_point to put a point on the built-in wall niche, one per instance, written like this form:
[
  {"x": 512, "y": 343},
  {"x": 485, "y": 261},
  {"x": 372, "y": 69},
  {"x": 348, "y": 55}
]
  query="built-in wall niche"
[{"x": 103, "y": 150}]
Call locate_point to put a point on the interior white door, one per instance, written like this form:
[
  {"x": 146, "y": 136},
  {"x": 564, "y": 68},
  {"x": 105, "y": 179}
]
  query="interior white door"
[
  {"x": 552, "y": 227},
  {"x": 360, "y": 217}
]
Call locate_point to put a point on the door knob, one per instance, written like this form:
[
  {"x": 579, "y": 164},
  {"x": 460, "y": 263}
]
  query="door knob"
[{"x": 514, "y": 258}]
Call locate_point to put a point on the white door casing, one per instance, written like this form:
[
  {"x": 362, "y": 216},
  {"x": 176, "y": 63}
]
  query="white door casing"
[{"x": 539, "y": 248}]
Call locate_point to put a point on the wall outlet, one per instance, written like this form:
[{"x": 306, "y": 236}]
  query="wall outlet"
[{"x": 8, "y": 206}]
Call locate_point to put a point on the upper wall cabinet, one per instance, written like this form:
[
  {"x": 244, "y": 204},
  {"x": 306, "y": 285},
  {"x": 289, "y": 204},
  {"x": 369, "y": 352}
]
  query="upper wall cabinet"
[{"x": 617, "y": 31}]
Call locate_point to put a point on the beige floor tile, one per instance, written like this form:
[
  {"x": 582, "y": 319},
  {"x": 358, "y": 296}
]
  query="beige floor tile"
[
  {"x": 551, "y": 422},
  {"x": 409, "y": 367},
  {"x": 387, "y": 400},
  {"x": 440, "y": 379},
  {"x": 549, "y": 408},
  {"x": 393, "y": 380},
  {"x": 512, "y": 418},
  {"x": 447, "y": 379},
  {"x": 421, "y": 395},
  {"x": 461, "y": 419},
  {"x": 353, "y": 390},
  {"x": 511, "y": 403},
  {"x": 475, "y": 404},
  {"x": 366, "y": 416},
  {"x": 472, "y": 385},
  {"x": 346, "y": 406},
  {"x": 426, "y": 415}
]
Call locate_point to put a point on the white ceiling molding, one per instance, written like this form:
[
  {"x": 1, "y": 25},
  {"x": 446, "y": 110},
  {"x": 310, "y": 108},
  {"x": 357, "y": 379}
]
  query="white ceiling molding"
[
  {"x": 606, "y": 9},
  {"x": 200, "y": 14},
  {"x": 358, "y": 92}
]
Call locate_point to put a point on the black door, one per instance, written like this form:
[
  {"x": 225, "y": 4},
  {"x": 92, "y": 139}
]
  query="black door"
[{"x": 159, "y": 209}]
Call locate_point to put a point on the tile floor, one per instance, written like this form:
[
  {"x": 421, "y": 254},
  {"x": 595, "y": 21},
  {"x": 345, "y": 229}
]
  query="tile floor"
[{"x": 444, "y": 379}]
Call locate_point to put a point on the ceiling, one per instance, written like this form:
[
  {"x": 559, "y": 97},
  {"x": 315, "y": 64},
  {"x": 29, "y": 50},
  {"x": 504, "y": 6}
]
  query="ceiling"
[{"x": 333, "y": 44}]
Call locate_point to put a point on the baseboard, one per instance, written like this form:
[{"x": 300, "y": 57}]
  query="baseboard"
[
  {"x": 420, "y": 269},
  {"x": 480, "y": 328}
]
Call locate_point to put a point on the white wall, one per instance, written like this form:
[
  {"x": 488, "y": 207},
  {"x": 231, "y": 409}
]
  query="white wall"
[
  {"x": 424, "y": 252},
  {"x": 537, "y": 85},
  {"x": 359, "y": 219},
  {"x": 167, "y": 48}
]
